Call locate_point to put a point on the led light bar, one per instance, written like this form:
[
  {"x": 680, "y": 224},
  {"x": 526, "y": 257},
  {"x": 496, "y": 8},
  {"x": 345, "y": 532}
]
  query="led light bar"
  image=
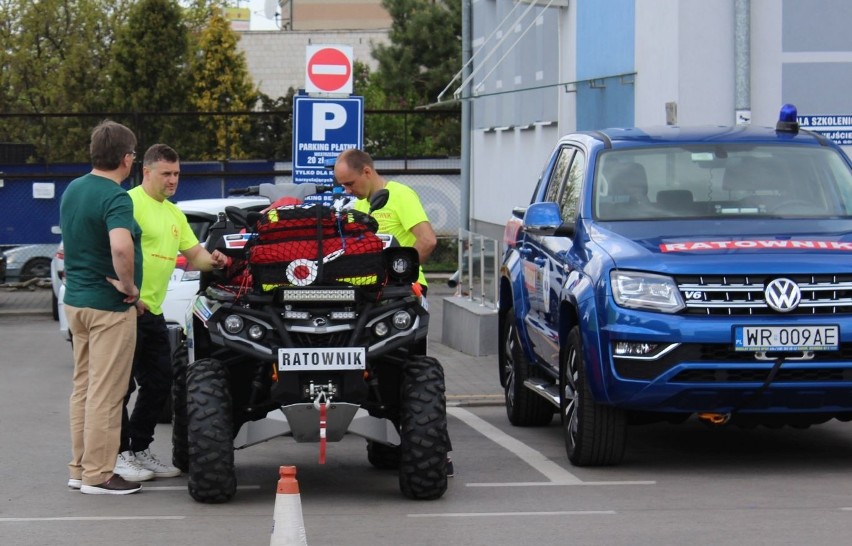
[{"x": 321, "y": 294}]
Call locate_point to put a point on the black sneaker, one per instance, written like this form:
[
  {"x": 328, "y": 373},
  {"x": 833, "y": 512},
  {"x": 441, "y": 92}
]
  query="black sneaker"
[{"x": 113, "y": 486}]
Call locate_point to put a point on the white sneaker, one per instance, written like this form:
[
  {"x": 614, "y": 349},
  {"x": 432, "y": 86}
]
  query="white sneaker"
[
  {"x": 129, "y": 468},
  {"x": 149, "y": 461}
]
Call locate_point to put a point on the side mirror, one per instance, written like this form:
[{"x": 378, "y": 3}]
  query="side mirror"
[
  {"x": 379, "y": 199},
  {"x": 544, "y": 219}
]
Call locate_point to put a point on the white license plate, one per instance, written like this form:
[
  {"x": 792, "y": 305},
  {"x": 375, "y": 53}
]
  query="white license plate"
[
  {"x": 787, "y": 338},
  {"x": 325, "y": 359}
]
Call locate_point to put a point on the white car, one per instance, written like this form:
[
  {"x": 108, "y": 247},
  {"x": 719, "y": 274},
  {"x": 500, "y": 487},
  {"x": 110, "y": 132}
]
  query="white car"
[
  {"x": 57, "y": 281},
  {"x": 201, "y": 214},
  {"x": 29, "y": 261}
]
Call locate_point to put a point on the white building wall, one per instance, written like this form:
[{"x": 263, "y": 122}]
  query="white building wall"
[
  {"x": 276, "y": 60},
  {"x": 656, "y": 60},
  {"x": 506, "y": 164},
  {"x": 766, "y": 61},
  {"x": 685, "y": 55}
]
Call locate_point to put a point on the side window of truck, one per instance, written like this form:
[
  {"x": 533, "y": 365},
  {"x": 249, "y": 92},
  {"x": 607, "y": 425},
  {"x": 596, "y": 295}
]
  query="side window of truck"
[
  {"x": 557, "y": 176},
  {"x": 569, "y": 200}
]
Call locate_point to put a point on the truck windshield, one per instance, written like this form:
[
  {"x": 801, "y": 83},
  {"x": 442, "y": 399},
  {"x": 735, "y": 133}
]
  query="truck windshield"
[{"x": 669, "y": 182}]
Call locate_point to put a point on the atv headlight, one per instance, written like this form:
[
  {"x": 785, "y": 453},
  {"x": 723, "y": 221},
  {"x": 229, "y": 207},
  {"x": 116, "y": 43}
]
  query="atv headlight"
[
  {"x": 636, "y": 290},
  {"x": 256, "y": 332},
  {"x": 233, "y": 324},
  {"x": 381, "y": 329},
  {"x": 402, "y": 264},
  {"x": 401, "y": 320}
]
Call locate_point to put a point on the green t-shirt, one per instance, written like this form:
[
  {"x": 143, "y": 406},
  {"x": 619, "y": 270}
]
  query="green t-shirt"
[
  {"x": 91, "y": 207},
  {"x": 402, "y": 212},
  {"x": 165, "y": 232}
]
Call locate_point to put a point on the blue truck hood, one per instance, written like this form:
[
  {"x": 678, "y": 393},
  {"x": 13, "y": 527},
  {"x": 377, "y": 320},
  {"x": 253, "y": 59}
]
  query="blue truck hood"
[{"x": 692, "y": 247}]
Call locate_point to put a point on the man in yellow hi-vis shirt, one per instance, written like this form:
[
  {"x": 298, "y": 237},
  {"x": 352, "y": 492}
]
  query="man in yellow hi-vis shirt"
[{"x": 165, "y": 232}]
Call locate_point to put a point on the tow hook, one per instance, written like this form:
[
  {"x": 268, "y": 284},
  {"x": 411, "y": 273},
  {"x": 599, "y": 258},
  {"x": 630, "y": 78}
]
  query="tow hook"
[{"x": 717, "y": 419}]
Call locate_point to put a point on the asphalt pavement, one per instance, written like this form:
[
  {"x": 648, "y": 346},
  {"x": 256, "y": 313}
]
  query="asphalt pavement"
[{"x": 470, "y": 380}]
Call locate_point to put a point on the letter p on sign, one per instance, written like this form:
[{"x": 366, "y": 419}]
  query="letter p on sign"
[{"x": 326, "y": 116}]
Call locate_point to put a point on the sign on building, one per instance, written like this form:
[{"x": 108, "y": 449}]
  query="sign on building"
[{"x": 834, "y": 127}]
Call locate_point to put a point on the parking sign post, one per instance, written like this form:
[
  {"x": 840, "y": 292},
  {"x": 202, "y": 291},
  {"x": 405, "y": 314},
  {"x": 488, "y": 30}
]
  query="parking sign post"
[
  {"x": 322, "y": 128},
  {"x": 327, "y": 118}
]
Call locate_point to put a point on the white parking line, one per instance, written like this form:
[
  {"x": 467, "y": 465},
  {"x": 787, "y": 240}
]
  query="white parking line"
[
  {"x": 183, "y": 487},
  {"x": 92, "y": 518},
  {"x": 552, "y": 471},
  {"x": 504, "y": 514}
]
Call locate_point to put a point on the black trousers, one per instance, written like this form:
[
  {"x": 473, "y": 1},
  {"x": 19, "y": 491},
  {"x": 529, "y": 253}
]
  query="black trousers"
[{"x": 152, "y": 373}]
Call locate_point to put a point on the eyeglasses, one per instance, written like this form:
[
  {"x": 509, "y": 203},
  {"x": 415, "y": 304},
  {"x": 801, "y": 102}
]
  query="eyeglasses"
[{"x": 132, "y": 153}]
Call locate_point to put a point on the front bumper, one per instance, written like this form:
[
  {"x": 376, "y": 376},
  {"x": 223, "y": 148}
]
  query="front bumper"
[{"x": 699, "y": 369}]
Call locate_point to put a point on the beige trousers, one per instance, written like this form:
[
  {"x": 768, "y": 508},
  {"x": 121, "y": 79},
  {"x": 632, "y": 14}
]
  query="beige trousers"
[{"x": 104, "y": 342}]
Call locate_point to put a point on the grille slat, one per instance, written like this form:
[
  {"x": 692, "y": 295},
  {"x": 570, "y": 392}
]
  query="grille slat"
[{"x": 744, "y": 294}]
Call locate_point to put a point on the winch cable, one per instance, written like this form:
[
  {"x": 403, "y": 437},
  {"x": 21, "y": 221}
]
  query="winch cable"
[{"x": 723, "y": 418}]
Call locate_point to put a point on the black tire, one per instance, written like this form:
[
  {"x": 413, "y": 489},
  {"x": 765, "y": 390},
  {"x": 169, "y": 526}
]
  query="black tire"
[
  {"x": 36, "y": 268},
  {"x": 595, "y": 434},
  {"x": 382, "y": 456},
  {"x": 54, "y": 306},
  {"x": 210, "y": 432},
  {"x": 424, "y": 441},
  {"x": 523, "y": 407},
  {"x": 180, "y": 444}
]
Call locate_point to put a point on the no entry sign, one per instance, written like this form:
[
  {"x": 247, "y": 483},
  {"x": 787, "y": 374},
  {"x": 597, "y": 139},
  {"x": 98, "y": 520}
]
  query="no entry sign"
[{"x": 329, "y": 69}]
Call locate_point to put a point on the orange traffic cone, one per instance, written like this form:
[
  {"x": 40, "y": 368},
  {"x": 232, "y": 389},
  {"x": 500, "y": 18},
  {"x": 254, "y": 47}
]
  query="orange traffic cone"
[{"x": 288, "y": 527}]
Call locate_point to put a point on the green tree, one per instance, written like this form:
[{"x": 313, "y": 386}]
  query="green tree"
[
  {"x": 271, "y": 134},
  {"x": 424, "y": 51},
  {"x": 424, "y": 54},
  {"x": 55, "y": 54},
  {"x": 221, "y": 84},
  {"x": 148, "y": 72}
]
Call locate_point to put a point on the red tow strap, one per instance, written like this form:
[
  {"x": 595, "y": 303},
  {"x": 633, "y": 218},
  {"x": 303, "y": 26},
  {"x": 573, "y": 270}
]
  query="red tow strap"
[{"x": 322, "y": 423}]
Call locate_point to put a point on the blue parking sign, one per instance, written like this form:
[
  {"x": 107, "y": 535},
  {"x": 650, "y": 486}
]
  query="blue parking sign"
[{"x": 322, "y": 128}]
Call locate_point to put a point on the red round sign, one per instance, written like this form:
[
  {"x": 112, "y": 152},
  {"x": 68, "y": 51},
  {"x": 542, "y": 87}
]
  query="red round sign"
[{"x": 329, "y": 69}]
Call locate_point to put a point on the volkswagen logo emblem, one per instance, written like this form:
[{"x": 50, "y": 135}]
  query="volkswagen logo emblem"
[{"x": 783, "y": 295}]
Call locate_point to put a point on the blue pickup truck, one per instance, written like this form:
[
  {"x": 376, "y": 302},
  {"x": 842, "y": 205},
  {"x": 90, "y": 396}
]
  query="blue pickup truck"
[{"x": 663, "y": 273}]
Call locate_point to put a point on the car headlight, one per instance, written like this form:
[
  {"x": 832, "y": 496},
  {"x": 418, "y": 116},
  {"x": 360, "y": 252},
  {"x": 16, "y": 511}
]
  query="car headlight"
[{"x": 637, "y": 290}]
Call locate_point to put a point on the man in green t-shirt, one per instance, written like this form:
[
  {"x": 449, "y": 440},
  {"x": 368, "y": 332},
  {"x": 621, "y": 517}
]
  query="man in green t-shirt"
[
  {"x": 165, "y": 232},
  {"x": 102, "y": 275}
]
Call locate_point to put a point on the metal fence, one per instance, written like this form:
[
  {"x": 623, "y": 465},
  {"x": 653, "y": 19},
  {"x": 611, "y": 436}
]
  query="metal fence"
[
  {"x": 33, "y": 175},
  {"x": 201, "y": 136},
  {"x": 478, "y": 259},
  {"x": 30, "y": 197}
]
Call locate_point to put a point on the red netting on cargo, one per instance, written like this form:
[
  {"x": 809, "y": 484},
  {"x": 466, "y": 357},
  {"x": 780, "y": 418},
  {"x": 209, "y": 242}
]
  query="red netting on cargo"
[{"x": 312, "y": 245}]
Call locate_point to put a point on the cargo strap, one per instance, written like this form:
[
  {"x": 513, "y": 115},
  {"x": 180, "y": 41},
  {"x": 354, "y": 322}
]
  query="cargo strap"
[{"x": 321, "y": 403}]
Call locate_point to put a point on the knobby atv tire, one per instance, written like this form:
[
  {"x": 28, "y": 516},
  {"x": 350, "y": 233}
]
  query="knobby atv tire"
[
  {"x": 210, "y": 432},
  {"x": 382, "y": 456},
  {"x": 524, "y": 408},
  {"x": 423, "y": 430},
  {"x": 595, "y": 434},
  {"x": 180, "y": 444}
]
